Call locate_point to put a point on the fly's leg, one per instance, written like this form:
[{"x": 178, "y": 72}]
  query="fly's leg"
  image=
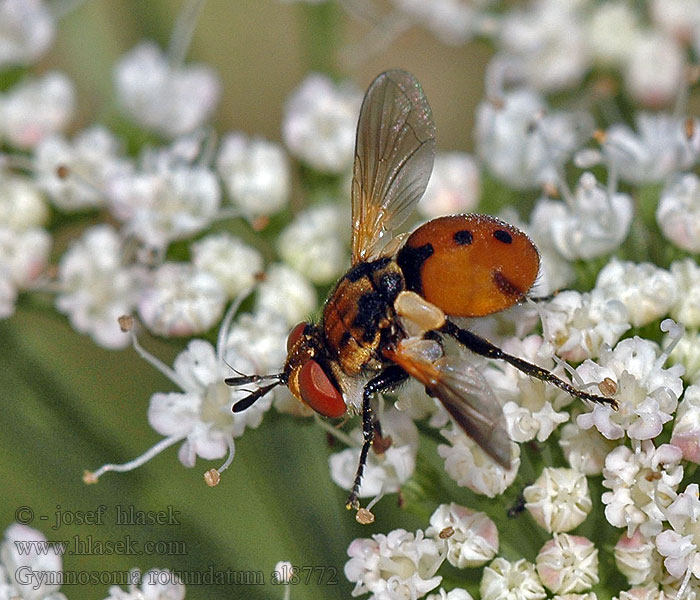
[
  {"x": 387, "y": 380},
  {"x": 482, "y": 346}
]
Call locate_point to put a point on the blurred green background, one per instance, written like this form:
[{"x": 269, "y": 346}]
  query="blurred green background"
[{"x": 70, "y": 405}]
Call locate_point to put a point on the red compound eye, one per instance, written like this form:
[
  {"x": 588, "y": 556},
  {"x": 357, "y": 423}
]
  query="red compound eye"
[
  {"x": 295, "y": 334},
  {"x": 318, "y": 391}
]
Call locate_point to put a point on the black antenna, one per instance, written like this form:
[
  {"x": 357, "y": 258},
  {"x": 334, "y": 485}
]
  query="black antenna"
[
  {"x": 246, "y": 379},
  {"x": 248, "y": 401}
]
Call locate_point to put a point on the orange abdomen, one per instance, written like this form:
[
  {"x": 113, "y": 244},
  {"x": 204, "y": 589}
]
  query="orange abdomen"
[{"x": 469, "y": 265}]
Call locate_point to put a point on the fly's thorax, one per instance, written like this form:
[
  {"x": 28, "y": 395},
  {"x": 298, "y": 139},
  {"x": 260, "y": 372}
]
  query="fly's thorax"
[{"x": 359, "y": 316}]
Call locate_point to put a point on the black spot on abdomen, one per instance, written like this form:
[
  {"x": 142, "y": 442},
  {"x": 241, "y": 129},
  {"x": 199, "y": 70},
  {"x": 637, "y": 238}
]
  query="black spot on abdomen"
[
  {"x": 503, "y": 236},
  {"x": 463, "y": 237},
  {"x": 410, "y": 260}
]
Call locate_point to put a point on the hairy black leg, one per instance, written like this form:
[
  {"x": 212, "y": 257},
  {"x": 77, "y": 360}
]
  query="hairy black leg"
[
  {"x": 387, "y": 380},
  {"x": 482, "y": 346}
]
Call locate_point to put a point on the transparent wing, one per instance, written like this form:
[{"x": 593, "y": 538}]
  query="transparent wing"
[
  {"x": 470, "y": 400},
  {"x": 462, "y": 390},
  {"x": 394, "y": 153}
]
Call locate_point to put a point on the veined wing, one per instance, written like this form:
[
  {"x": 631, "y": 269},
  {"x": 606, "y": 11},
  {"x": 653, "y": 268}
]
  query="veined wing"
[
  {"x": 462, "y": 390},
  {"x": 394, "y": 153}
]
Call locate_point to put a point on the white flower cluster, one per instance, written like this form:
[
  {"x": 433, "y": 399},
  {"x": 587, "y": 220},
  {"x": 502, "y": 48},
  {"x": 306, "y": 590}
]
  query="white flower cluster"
[
  {"x": 139, "y": 232},
  {"x": 162, "y": 95},
  {"x": 159, "y": 256},
  {"x": 25, "y": 571},
  {"x": 601, "y": 231},
  {"x": 200, "y": 415},
  {"x": 552, "y": 46},
  {"x": 30, "y": 569},
  {"x": 405, "y": 565},
  {"x": 166, "y": 195},
  {"x": 24, "y": 242}
]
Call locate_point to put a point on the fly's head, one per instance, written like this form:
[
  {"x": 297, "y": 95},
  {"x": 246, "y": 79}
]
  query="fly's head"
[{"x": 306, "y": 373}]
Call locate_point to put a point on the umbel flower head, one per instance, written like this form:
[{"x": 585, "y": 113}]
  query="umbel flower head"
[
  {"x": 585, "y": 137},
  {"x": 400, "y": 564}
]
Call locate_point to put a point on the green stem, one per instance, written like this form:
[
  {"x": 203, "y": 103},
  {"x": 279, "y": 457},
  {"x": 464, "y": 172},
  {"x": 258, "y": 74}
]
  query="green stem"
[{"x": 322, "y": 32}]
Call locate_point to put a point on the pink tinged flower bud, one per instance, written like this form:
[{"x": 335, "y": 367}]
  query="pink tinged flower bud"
[
  {"x": 636, "y": 558},
  {"x": 677, "y": 18},
  {"x": 686, "y": 428},
  {"x": 559, "y": 499},
  {"x": 474, "y": 537},
  {"x": 24, "y": 255},
  {"x": 568, "y": 563},
  {"x": 648, "y": 592},
  {"x": 36, "y": 108}
]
